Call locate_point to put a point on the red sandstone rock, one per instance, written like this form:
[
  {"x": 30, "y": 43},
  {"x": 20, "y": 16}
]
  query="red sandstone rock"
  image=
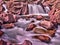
[
  {"x": 54, "y": 14},
  {"x": 30, "y": 27},
  {"x": 47, "y": 24},
  {"x": 44, "y": 31},
  {"x": 26, "y": 42},
  {"x": 39, "y": 17},
  {"x": 1, "y": 33}
]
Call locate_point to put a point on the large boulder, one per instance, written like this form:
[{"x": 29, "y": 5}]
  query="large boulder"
[
  {"x": 9, "y": 18},
  {"x": 43, "y": 38},
  {"x": 30, "y": 27},
  {"x": 54, "y": 14},
  {"x": 47, "y": 24},
  {"x": 39, "y": 30}
]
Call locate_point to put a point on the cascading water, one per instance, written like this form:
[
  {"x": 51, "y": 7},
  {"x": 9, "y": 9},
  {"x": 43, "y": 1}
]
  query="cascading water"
[{"x": 35, "y": 9}]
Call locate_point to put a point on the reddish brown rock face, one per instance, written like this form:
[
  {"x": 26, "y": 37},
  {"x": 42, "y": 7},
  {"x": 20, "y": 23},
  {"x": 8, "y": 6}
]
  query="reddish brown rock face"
[
  {"x": 39, "y": 17},
  {"x": 47, "y": 24},
  {"x": 43, "y": 38},
  {"x": 1, "y": 8},
  {"x": 17, "y": 7},
  {"x": 1, "y": 33},
  {"x": 49, "y": 2},
  {"x": 57, "y": 5},
  {"x": 43, "y": 31},
  {"x": 13, "y": 7},
  {"x": 30, "y": 27},
  {"x": 54, "y": 14},
  {"x": 39, "y": 31},
  {"x": 9, "y": 18},
  {"x": 26, "y": 42},
  {"x": 25, "y": 9},
  {"x": 51, "y": 32},
  {"x": 57, "y": 15}
]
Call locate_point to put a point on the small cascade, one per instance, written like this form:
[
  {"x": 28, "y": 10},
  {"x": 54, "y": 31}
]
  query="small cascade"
[{"x": 35, "y": 9}]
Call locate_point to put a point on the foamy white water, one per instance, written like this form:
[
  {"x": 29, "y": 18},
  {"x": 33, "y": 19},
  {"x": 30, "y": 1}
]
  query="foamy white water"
[{"x": 35, "y": 9}]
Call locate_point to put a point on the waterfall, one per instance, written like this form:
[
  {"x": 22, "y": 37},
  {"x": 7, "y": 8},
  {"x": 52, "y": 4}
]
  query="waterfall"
[{"x": 36, "y": 9}]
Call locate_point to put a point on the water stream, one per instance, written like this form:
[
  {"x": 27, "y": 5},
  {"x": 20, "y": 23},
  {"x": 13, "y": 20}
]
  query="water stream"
[{"x": 37, "y": 9}]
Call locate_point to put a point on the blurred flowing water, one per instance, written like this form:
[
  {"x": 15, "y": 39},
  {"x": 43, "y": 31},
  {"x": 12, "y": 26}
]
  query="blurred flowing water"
[
  {"x": 19, "y": 34},
  {"x": 37, "y": 9}
]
